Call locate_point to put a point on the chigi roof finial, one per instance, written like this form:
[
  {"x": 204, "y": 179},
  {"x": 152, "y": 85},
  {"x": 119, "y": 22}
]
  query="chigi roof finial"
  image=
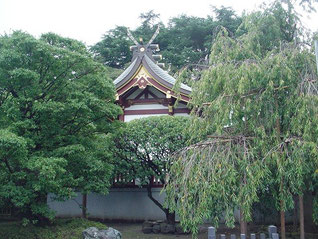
[
  {"x": 151, "y": 40},
  {"x": 132, "y": 37},
  {"x": 154, "y": 36}
]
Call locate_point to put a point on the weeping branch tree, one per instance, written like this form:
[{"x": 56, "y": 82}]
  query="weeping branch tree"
[
  {"x": 257, "y": 100},
  {"x": 218, "y": 175}
]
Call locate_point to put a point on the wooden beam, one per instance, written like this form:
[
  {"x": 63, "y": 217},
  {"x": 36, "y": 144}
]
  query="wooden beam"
[
  {"x": 129, "y": 92},
  {"x": 162, "y": 101},
  {"x": 146, "y": 112}
]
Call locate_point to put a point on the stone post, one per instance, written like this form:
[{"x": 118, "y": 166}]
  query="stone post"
[
  {"x": 211, "y": 233},
  {"x": 275, "y": 236},
  {"x": 271, "y": 229}
]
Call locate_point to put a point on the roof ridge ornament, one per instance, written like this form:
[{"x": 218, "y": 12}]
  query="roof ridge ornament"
[
  {"x": 131, "y": 37},
  {"x": 154, "y": 36}
]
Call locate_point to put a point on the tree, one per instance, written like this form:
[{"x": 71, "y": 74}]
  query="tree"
[
  {"x": 149, "y": 19},
  {"x": 113, "y": 49},
  {"x": 149, "y": 22},
  {"x": 56, "y": 109},
  {"x": 144, "y": 150},
  {"x": 249, "y": 102},
  {"x": 184, "y": 41},
  {"x": 226, "y": 17}
]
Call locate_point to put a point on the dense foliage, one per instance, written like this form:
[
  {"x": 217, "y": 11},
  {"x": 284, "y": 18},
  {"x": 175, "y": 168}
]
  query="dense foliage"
[
  {"x": 258, "y": 100},
  {"x": 144, "y": 149},
  {"x": 56, "y": 109}
]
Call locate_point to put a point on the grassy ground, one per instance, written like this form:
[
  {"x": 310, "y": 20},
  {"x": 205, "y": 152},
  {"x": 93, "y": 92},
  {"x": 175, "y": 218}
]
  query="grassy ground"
[{"x": 61, "y": 229}]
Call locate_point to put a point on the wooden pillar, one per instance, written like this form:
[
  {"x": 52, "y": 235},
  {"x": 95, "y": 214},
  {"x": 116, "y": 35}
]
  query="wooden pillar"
[
  {"x": 170, "y": 103},
  {"x": 122, "y": 117},
  {"x": 171, "y": 109}
]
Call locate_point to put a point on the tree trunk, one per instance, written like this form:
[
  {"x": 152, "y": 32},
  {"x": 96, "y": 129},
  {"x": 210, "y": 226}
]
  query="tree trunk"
[
  {"x": 295, "y": 216},
  {"x": 170, "y": 217},
  {"x": 84, "y": 205},
  {"x": 309, "y": 224},
  {"x": 282, "y": 220},
  {"x": 42, "y": 219},
  {"x": 301, "y": 217},
  {"x": 282, "y": 212},
  {"x": 243, "y": 224}
]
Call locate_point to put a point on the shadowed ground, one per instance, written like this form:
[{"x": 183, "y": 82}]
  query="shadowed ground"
[{"x": 133, "y": 231}]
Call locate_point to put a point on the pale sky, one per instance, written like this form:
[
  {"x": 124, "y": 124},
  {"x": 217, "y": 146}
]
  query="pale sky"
[{"x": 87, "y": 21}]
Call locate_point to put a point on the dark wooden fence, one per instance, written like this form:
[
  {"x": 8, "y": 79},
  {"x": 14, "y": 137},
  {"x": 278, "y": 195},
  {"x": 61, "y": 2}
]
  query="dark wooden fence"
[
  {"x": 5, "y": 212},
  {"x": 121, "y": 181}
]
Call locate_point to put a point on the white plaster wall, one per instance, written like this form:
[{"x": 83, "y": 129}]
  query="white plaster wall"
[
  {"x": 121, "y": 204},
  {"x": 147, "y": 107},
  {"x": 132, "y": 117},
  {"x": 69, "y": 208},
  {"x": 181, "y": 114}
]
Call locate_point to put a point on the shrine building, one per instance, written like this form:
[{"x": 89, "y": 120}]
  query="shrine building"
[{"x": 145, "y": 89}]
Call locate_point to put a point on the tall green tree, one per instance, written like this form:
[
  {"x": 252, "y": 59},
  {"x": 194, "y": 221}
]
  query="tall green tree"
[
  {"x": 113, "y": 49},
  {"x": 226, "y": 17},
  {"x": 144, "y": 149},
  {"x": 149, "y": 22},
  {"x": 56, "y": 109}
]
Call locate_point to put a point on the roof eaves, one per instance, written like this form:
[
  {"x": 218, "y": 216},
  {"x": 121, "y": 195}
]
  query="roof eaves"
[
  {"x": 163, "y": 76},
  {"x": 125, "y": 76}
]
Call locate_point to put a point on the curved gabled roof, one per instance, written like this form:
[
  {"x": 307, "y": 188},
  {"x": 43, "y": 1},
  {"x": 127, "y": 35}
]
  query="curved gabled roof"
[
  {"x": 127, "y": 74},
  {"x": 163, "y": 75},
  {"x": 144, "y": 58}
]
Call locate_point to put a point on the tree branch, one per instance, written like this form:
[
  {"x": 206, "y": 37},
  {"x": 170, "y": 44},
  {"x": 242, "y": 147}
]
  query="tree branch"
[
  {"x": 155, "y": 201},
  {"x": 8, "y": 165}
]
